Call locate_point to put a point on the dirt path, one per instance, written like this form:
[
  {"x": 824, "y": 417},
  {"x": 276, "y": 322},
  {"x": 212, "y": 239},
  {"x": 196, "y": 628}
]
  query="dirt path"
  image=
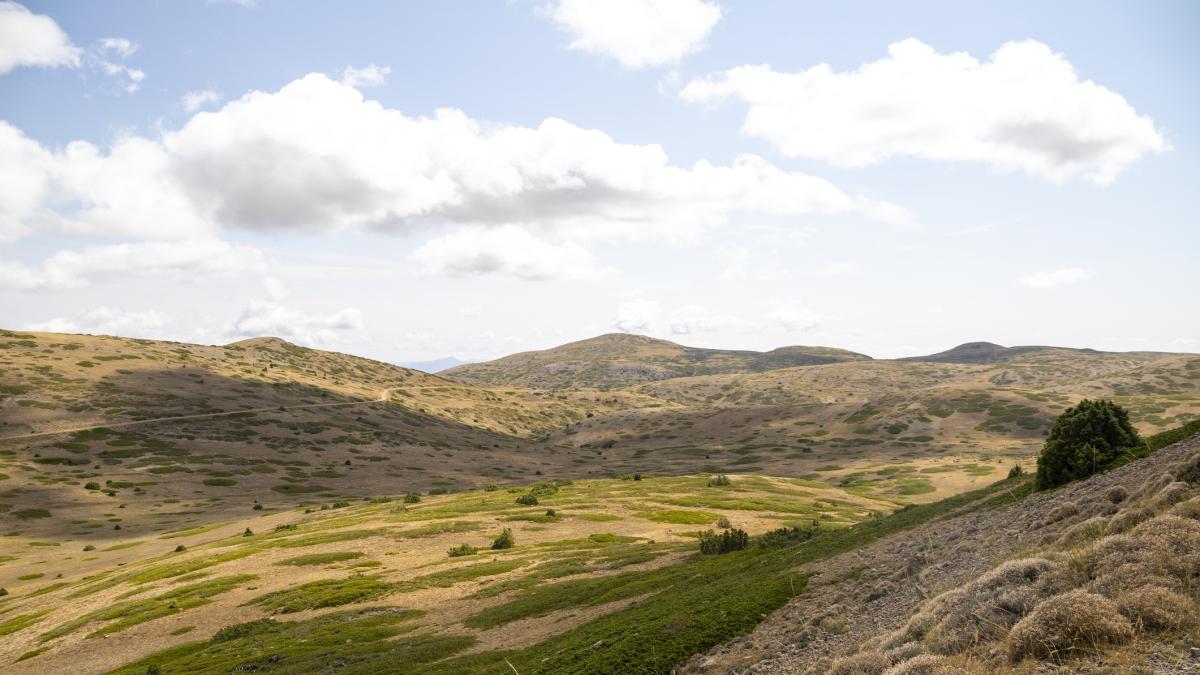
[{"x": 383, "y": 398}]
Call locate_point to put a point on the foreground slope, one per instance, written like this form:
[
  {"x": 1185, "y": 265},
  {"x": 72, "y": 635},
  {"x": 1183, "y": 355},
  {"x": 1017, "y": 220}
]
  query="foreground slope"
[
  {"x": 1098, "y": 576},
  {"x": 620, "y": 359}
]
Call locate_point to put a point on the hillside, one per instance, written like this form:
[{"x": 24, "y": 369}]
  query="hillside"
[
  {"x": 173, "y": 430},
  {"x": 619, "y": 360},
  {"x": 1098, "y": 576}
]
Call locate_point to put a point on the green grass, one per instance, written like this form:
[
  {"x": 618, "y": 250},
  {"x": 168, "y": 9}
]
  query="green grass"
[
  {"x": 21, "y": 622},
  {"x": 28, "y": 514},
  {"x": 320, "y": 558},
  {"x": 679, "y": 517},
  {"x": 691, "y": 606},
  {"x": 324, "y": 593},
  {"x": 130, "y": 613},
  {"x": 350, "y": 643},
  {"x": 454, "y": 575}
]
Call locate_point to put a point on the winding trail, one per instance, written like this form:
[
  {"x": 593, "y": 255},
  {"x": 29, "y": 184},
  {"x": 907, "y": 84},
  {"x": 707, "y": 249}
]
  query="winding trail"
[{"x": 384, "y": 396}]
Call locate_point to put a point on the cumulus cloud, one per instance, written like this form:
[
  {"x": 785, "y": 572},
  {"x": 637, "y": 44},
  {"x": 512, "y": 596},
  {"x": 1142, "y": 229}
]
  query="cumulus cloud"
[
  {"x": 195, "y": 100},
  {"x": 188, "y": 260},
  {"x": 1069, "y": 275},
  {"x": 371, "y": 76},
  {"x": 1025, "y": 109},
  {"x": 637, "y": 33},
  {"x": 28, "y": 39},
  {"x": 262, "y": 318},
  {"x": 690, "y": 319},
  {"x": 317, "y": 156},
  {"x": 107, "y": 321},
  {"x": 507, "y": 250}
]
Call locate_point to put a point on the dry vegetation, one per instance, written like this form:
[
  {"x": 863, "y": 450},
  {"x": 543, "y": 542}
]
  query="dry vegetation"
[{"x": 159, "y": 495}]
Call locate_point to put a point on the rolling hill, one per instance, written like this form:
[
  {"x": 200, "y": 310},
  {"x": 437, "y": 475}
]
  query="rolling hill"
[{"x": 620, "y": 359}]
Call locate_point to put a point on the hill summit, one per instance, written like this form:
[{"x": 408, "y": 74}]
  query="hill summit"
[{"x": 622, "y": 359}]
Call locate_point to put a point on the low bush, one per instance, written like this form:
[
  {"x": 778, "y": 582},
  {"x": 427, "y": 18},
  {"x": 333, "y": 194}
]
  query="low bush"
[
  {"x": 720, "y": 480},
  {"x": 504, "y": 540},
  {"x": 527, "y": 500},
  {"x": 728, "y": 541},
  {"x": 462, "y": 550},
  {"x": 1067, "y": 624}
]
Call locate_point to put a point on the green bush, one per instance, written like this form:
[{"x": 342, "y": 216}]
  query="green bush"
[
  {"x": 504, "y": 540},
  {"x": 1084, "y": 440},
  {"x": 91, "y": 485},
  {"x": 719, "y": 480},
  {"x": 462, "y": 550},
  {"x": 527, "y": 500},
  {"x": 412, "y": 498},
  {"x": 1016, "y": 471},
  {"x": 787, "y": 536},
  {"x": 726, "y": 542}
]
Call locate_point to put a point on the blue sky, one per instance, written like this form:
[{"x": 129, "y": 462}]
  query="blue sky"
[{"x": 700, "y": 178}]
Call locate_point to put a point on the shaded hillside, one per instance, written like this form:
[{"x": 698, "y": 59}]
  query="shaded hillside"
[{"x": 619, "y": 359}]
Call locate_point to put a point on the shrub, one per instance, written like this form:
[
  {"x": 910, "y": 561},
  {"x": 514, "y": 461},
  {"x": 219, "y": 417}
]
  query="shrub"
[
  {"x": 257, "y": 507},
  {"x": 787, "y": 536},
  {"x": 412, "y": 498},
  {"x": 462, "y": 550},
  {"x": 504, "y": 540},
  {"x": 1155, "y": 607},
  {"x": 1016, "y": 471},
  {"x": 180, "y": 548},
  {"x": 527, "y": 500},
  {"x": 551, "y": 513},
  {"x": 1116, "y": 494},
  {"x": 1084, "y": 440},
  {"x": 863, "y": 663},
  {"x": 728, "y": 541},
  {"x": 248, "y": 533},
  {"x": 91, "y": 485},
  {"x": 89, "y": 547},
  {"x": 1076, "y": 621},
  {"x": 720, "y": 480},
  {"x": 724, "y": 523}
]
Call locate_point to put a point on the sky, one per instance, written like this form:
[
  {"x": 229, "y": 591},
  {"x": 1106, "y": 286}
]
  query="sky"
[{"x": 410, "y": 181}]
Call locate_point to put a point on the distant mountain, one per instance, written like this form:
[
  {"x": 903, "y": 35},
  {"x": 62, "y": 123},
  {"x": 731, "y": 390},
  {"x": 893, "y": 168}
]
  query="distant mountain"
[
  {"x": 983, "y": 353},
  {"x": 434, "y": 365},
  {"x": 619, "y": 359}
]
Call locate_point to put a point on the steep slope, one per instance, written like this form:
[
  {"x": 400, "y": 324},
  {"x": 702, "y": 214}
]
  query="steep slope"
[
  {"x": 618, "y": 360},
  {"x": 1096, "y": 577}
]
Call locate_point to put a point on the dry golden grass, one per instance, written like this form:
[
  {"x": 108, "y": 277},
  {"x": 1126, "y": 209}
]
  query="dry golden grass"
[{"x": 1067, "y": 625}]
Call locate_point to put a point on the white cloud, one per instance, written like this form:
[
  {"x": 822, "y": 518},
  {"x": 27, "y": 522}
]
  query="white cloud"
[
  {"x": 637, "y": 315},
  {"x": 195, "y": 100},
  {"x": 317, "y": 156},
  {"x": 28, "y": 39},
  {"x": 506, "y": 250},
  {"x": 838, "y": 268},
  {"x": 119, "y": 47},
  {"x": 792, "y": 317},
  {"x": 360, "y": 78},
  {"x": 1024, "y": 109},
  {"x": 690, "y": 319},
  {"x": 261, "y": 318},
  {"x": 107, "y": 321},
  {"x": 637, "y": 33},
  {"x": 1069, "y": 275},
  {"x": 109, "y": 57},
  {"x": 188, "y": 260}
]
